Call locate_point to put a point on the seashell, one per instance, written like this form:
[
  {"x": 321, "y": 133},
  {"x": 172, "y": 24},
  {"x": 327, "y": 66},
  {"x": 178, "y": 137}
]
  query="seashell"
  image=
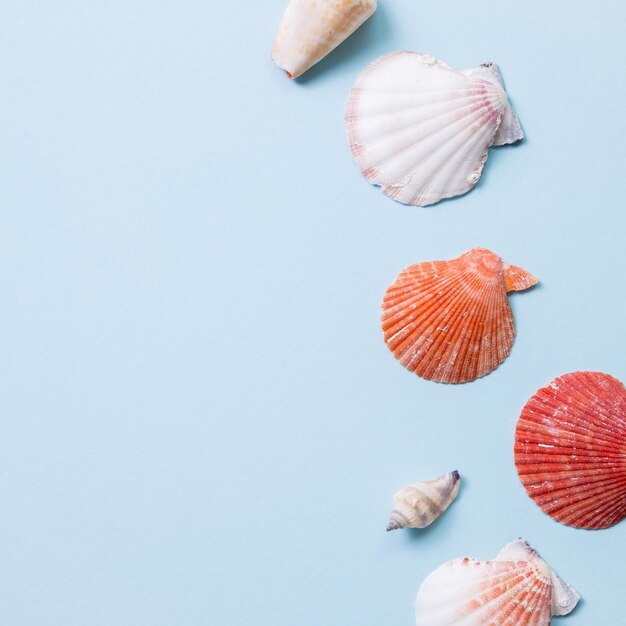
[
  {"x": 422, "y": 130},
  {"x": 517, "y": 588},
  {"x": 420, "y": 504},
  {"x": 570, "y": 449},
  {"x": 310, "y": 29},
  {"x": 450, "y": 321}
]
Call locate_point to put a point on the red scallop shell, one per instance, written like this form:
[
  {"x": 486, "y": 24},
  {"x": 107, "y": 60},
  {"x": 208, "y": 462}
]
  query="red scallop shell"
[
  {"x": 570, "y": 449},
  {"x": 450, "y": 321}
]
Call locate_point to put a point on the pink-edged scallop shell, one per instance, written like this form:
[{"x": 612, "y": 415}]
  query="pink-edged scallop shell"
[
  {"x": 570, "y": 449},
  {"x": 422, "y": 130},
  {"x": 450, "y": 321},
  {"x": 517, "y": 588}
]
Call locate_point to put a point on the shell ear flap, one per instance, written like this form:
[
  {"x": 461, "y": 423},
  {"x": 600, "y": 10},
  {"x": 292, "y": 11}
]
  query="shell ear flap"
[
  {"x": 510, "y": 129},
  {"x": 517, "y": 279}
]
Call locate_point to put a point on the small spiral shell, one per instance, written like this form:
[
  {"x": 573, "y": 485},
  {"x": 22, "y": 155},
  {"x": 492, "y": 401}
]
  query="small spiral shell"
[{"x": 420, "y": 504}]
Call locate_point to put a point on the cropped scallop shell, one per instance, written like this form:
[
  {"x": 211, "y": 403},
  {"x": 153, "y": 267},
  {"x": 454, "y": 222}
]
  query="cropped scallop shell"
[
  {"x": 310, "y": 29},
  {"x": 450, "y": 321},
  {"x": 420, "y": 504},
  {"x": 422, "y": 130},
  {"x": 570, "y": 449},
  {"x": 517, "y": 588}
]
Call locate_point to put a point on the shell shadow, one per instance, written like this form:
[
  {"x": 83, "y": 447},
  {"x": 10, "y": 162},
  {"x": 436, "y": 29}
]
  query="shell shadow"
[
  {"x": 494, "y": 156},
  {"x": 374, "y": 31},
  {"x": 580, "y": 605}
]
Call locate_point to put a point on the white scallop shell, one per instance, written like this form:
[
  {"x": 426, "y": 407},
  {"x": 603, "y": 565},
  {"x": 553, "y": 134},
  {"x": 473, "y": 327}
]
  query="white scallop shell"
[
  {"x": 310, "y": 29},
  {"x": 517, "y": 588},
  {"x": 422, "y": 130},
  {"x": 420, "y": 504}
]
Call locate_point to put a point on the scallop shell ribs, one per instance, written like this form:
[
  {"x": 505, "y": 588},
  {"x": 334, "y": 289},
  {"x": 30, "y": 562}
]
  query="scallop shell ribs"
[
  {"x": 422, "y": 130},
  {"x": 450, "y": 321},
  {"x": 570, "y": 449},
  {"x": 517, "y": 588}
]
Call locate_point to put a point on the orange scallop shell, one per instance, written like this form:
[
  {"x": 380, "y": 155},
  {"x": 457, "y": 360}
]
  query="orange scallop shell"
[
  {"x": 450, "y": 321},
  {"x": 570, "y": 449}
]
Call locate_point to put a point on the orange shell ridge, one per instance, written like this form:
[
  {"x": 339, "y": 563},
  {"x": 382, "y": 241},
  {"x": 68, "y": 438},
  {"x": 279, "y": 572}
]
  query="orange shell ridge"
[
  {"x": 570, "y": 449},
  {"x": 450, "y": 321},
  {"x": 516, "y": 278}
]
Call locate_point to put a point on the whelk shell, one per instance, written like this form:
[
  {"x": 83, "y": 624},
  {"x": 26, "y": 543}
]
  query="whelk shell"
[
  {"x": 517, "y": 588},
  {"x": 450, "y": 321},
  {"x": 422, "y": 130},
  {"x": 570, "y": 449},
  {"x": 420, "y": 504},
  {"x": 310, "y": 29}
]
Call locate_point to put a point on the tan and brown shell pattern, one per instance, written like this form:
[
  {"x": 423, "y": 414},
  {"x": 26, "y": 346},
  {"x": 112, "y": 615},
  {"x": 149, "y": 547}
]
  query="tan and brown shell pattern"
[
  {"x": 420, "y": 504},
  {"x": 310, "y": 29},
  {"x": 450, "y": 321}
]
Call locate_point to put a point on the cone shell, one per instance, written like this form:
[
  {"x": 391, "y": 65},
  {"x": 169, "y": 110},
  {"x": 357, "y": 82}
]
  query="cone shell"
[
  {"x": 310, "y": 29},
  {"x": 421, "y": 130},
  {"x": 450, "y": 321},
  {"x": 517, "y": 588},
  {"x": 420, "y": 504},
  {"x": 570, "y": 449}
]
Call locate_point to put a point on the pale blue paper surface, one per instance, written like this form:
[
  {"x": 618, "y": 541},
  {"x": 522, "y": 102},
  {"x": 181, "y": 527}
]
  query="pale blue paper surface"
[{"x": 201, "y": 424}]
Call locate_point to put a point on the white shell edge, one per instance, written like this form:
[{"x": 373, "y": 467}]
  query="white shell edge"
[{"x": 564, "y": 596}]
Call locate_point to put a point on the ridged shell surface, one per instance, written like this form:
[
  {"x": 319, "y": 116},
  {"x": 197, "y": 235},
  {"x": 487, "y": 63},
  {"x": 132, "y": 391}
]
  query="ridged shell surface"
[
  {"x": 517, "y": 588},
  {"x": 421, "y": 130},
  {"x": 570, "y": 449},
  {"x": 310, "y": 29},
  {"x": 420, "y": 504},
  {"x": 450, "y": 321}
]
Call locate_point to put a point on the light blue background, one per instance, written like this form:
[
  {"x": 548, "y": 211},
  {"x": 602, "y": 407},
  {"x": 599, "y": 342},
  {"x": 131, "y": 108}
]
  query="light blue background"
[{"x": 200, "y": 421}]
